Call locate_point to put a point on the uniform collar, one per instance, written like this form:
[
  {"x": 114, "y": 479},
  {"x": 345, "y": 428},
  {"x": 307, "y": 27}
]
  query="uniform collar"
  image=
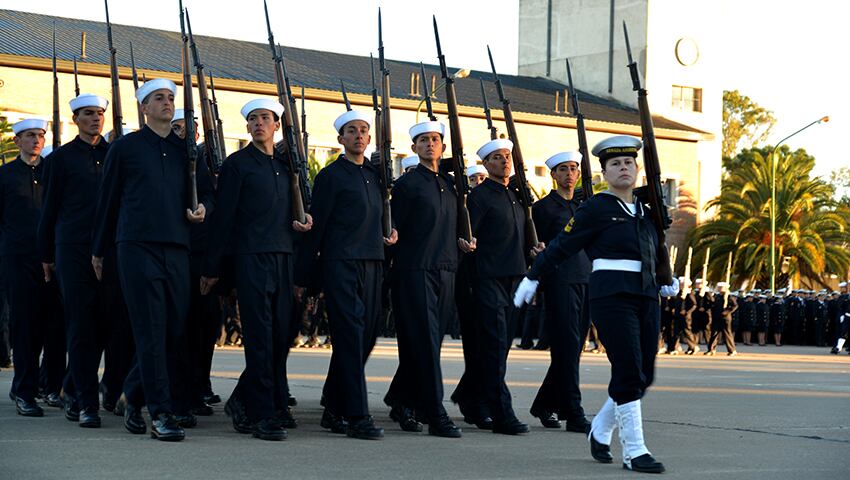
[
  {"x": 79, "y": 144},
  {"x": 153, "y": 138},
  {"x": 494, "y": 185}
]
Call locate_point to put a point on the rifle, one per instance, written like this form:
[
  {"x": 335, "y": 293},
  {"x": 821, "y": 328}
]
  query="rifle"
[
  {"x": 586, "y": 172},
  {"x": 728, "y": 279},
  {"x": 189, "y": 113},
  {"x": 376, "y": 106},
  {"x": 464, "y": 228},
  {"x": 426, "y": 94},
  {"x": 304, "y": 135},
  {"x": 385, "y": 159},
  {"x": 494, "y": 134},
  {"x": 117, "y": 117},
  {"x": 685, "y": 288},
  {"x": 519, "y": 165},
  {"x": 705, "y": 272},
  {"x": 76, "y": 80},
  {"x": 211, "y": 140},
  {"x": 289, "y": 136},
  {"x": 57, "y": 141},
  {"x": 674, "y": 252},
  {"x": 136, "y": 85},
  {"x": 301, "y": 164},
  {"x": 219, "y": 126},
  {"x": 652, "y": 192}
]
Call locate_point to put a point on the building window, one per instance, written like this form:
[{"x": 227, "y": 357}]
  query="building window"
[
  {"x": 414, "y": 85},
  {"x": 687, "y": 99},
  {"x": 540, "y": 171}
]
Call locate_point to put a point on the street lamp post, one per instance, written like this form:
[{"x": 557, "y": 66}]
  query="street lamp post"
[
  {"x": 823, "y": 119},
  {"x": 462, "y": 73}
]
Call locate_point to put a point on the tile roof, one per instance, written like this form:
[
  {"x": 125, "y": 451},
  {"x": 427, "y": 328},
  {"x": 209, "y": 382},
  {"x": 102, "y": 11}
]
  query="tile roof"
[{"x": 29, "y": 34}]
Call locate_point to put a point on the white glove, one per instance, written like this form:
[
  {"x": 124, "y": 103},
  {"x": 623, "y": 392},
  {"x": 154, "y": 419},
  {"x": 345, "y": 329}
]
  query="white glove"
[
  {"x": 525, "y": 291},
  {"x": 670, "y": 290}
]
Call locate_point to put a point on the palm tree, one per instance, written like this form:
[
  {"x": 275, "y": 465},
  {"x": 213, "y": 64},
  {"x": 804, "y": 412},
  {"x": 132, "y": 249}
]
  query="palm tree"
[{"x": 812, "y": 237}]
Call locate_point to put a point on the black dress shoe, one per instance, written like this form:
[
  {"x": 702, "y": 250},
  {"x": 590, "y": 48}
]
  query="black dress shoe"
[
  {"x": 72, "y": 411},
  {"x": 443, "y": 426},
  {"x": 165, "y": 427},
  {"x": 510, "y": 427},
  {"x": 291, "y": 401},
  {"x": 578, "y": 425},
  {"x": 186, "y": 420},
  {"x": 53, "y": 400},
  {"x": 333, "y": 423},
  {"x": 406, "y": 420},
  {"x": 365, "y": 429},
  {"x": 89, "y": 418},
  {"x": 599, "y": 451},
  {"x": 484, "y": 423},
  {"x": 286, "y": 419},
  {"x": 268, "y": 429},
  {"x": 212, "y": 399},
  {"x": 28, "y": 408},
  {"x": 547, "y": 419},
  {"x": 203, "y": 410},
  {"x": 133, "y": 421},
  {"x": 234, "y": 409},
  {"x": 645, "y": 463}
]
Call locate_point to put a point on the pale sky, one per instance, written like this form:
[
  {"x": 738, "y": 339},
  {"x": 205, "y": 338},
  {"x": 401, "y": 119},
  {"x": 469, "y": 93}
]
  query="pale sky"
[{"x": 789, "y": 56}]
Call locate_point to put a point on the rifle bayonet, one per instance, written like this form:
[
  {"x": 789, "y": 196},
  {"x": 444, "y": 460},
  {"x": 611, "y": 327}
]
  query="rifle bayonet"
[
  {"x": 426, "y": 94},
  {"x": 487, "y": 114},
  {"x": 586, "y": 172},
  {"x": 345, "y": 96},
  {"x": 136, "y": 86}
]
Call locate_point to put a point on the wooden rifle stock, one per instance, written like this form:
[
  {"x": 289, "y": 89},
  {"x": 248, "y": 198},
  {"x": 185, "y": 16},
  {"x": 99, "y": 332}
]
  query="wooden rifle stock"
[
  {"x": 586, "y": 172},
  {"x": 189, "y": 115}
]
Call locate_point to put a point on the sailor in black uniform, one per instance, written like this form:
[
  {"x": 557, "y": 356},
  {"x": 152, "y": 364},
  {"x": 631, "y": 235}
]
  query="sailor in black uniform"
[{"x": 615, "y": 230}]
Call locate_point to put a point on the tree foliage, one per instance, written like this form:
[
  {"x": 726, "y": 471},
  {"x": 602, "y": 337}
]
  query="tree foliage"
[
  {"x": 8, "y": 149},
  {"x": 811, "y": 228},
  {"x": 745, "y": 123}
]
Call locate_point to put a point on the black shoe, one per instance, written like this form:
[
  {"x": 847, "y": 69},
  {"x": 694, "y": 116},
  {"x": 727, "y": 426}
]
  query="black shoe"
[
  {"x": 72, "y": 411},
  {"x": 234, "y": 409},
  {"x": 645, "y": 463},
  {"x": 133, "y": 421},
  {"x": 599, "y": 451},
  {"x": 186, "y": 420},
  {"x": 834, "y": 351},
  {"x": 89, "y": 418},
  {"x": 578, "y": 424},
  {"x": 203, "y": 410},
  {"x": 443, "y": 426},
  {"x": 27, "y": 408},
  {"x": 547, "y": 419},
  {"x": 120, "y": 406},
  {"x": 364, "y": 429},
  {"x": 212, "y": 399},
  {"x": 286, "y": 419},
  {"x": 404, "y": 417},
  {"x": 268, "y": 429},
  {"x": 484, "y": 422},
  {"x": 291, "y": 401},
  {"x": 510, "y": 427},
  {"x": 165, "y": 427},
  {"x": 333, "y": 423},
  {"x": 53, "y": 400}
]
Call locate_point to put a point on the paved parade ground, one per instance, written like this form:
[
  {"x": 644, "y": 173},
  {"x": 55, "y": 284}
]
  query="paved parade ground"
[{"x": 775, "y": 413}]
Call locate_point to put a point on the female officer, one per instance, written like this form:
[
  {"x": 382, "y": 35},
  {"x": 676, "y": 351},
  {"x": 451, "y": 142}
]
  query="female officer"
[{"x": 616, "y": 232}]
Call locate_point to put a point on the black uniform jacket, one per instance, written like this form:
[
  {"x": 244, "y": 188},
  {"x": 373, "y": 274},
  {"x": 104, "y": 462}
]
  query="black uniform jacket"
[
  {"x": 498, "y": 222},
  {"x": 71, "y": 178},
  {"x": 144, "y": 193},
  {"x": 253, "y": 208},
  {"x": 424, "y": 208},
  {"x": 605, "y": 228},
  {"x": 347, "y": 209},
  {"x": 551, "y": 214},
  {"x": 20, "y": 206}
]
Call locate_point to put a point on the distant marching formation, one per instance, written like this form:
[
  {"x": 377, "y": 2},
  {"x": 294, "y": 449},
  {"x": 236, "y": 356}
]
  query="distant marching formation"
[{"x": 138, "y": 239}]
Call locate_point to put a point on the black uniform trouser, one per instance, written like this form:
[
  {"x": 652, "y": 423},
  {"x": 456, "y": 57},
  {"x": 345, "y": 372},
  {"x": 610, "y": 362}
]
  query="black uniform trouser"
[
  {"x": 494, "y": 297},
  {"x": 723, "y": 327},
  {"x": 120, "y": 347},
  {"x": 353, "y": 300},
  {"x": 687, "y": 329},
  {"x": 155, "y": 282},
  {"x": 628, "y": 325},
  {"x": 35, "y": 324},
  {"x": 203, "y": 327},
  {"x": 422, "y": 303},
  {"x": 469, "y": 394},
  {"x": 567, "y": 321},
  {"x": 266, "y": 306},
  {"x": 5, "y": 340}
]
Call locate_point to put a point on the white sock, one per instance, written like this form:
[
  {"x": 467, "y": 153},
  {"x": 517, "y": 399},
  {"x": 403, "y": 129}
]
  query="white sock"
[
  {"x": 630, "y": 424},
  {"x": 840, "y": 343},
  {"x": 602, "y": 426}
]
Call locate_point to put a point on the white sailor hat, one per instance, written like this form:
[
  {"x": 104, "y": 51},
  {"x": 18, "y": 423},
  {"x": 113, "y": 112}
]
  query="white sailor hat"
[
  {"x": 425, "y": 127},
  {"x": 153, "y": 85},
  {"x": 842, "y": 284},
  {"x": 722, "y": 285},
  {"x": 563, "y": 157},
  {"x": 265, "y": 104},
  {"x": 350, "y": 116},
  {"x": 699, "y": 280},
  {"x": 617, "y": 146},
  {"x": 493, "y": 145},
  {"x": 410, "y": 161},
  {"x": 475, "y": 169},
  {"x": 88, "y": 100},
  {"x": 179, "y": 114},
  {"x": 29, "y": 124},
  {"x": 124, "y": 131}
]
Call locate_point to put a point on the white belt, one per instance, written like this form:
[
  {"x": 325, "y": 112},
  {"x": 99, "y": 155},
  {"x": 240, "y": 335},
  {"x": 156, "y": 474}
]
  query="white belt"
[{"x": 618, "y": 264}]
